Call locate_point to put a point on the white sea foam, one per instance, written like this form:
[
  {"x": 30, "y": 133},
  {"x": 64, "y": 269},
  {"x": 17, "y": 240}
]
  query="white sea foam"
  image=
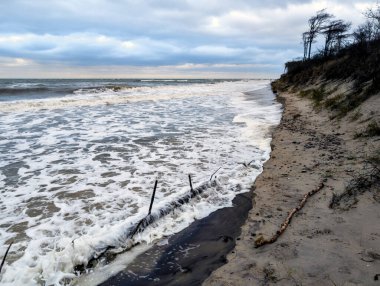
[
  {"x": 76, "y": 172},
  {"x": 102, "y": 96}
]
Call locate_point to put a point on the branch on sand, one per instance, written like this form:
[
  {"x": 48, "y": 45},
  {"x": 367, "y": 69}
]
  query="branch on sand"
[{"x": 261, "y": 241}]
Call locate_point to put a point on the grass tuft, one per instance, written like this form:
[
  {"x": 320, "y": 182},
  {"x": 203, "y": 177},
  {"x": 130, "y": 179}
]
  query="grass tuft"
[{"x": 372, "y": 130}]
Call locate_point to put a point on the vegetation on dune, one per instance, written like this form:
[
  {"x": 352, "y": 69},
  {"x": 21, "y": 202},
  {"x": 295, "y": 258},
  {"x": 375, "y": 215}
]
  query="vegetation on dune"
[
  {"x": 351, "y": 57},
  {"x": 372, "y": 129},
  {"x": 368, "y": 179}
]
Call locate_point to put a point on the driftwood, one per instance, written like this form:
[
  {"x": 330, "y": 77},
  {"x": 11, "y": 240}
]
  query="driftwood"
[
  {"x": 260, "y": 242},
  {"x": 248, "y": 164},
  {"x": 151, "y": 218},
  {"x": 215, "y": 173},
  {"x": 147, "y": 221},
  {"x": 5, "y": 256}
]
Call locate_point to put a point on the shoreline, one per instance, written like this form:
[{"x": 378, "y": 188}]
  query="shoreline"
[
  {"x": 190, "y": 255},
  {"x": 214, "y": 237},
  {"x": 322, "y": 245}
]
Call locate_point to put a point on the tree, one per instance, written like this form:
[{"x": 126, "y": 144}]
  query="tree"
[
  {"x": 373, "y": 16},
  {"x": 335, "y": 33},
  {"x": 315, "y": 25},
  {"x": 364, "y": 33},
  {"x": 305, "y": 40}
]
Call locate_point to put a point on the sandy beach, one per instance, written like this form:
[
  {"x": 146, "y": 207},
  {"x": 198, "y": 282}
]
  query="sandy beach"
[{"x": 326, "y": 243}]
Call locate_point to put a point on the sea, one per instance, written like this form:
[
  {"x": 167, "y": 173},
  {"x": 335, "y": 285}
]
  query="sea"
[{"x": 79, "y": 160}]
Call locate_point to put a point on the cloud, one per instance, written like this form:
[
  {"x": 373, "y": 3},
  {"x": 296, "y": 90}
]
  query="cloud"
[
  {"x": 15, "y": 62},
  {"x": 278, "y": 24},
  {"x": 216, "y": 51},
  {"x": 95, "y": 49},
  {"x": 161, "y": 33},
  {"x": 79, "y": 48},
  {"x": 11, "y": 68}
]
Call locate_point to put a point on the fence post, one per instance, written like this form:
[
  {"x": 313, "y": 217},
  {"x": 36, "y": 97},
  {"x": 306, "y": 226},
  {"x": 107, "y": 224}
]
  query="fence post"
[
  {"x": 152, "y": 199},
  {"x": 191, "y": 185}
]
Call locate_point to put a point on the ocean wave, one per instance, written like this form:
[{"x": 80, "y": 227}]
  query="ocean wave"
[
  {"x": 102, "y": 89},
  {"x": 121, "y": 94},
  {"x": 164, "y": 80},
  {"x": 20, "y": 90}
]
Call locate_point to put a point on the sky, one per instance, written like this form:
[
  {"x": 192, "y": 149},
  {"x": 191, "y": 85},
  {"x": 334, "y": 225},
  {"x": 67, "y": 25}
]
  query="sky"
[{"x": 157, "y": 38}]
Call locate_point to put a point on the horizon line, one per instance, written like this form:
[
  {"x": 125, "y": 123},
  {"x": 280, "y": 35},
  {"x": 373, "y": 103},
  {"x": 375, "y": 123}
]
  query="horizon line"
[{"x": 140, "y": 78}]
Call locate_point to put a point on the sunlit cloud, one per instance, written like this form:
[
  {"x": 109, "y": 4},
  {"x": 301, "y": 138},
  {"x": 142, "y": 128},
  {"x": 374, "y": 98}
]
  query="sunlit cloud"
[{"x": 15, "y": 62}]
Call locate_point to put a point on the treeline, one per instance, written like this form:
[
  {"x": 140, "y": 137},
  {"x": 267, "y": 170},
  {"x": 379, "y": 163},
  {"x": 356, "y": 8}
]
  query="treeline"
[
  {"x": 336, "y": 33},
  {"x": 347, "y": 54}
]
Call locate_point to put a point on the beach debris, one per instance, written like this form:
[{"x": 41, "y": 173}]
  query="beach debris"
[
  {"x": 191, "y": 185},
  {"x": 150, "y": 209},
  {"x": 254, "y": 165},
  {"x": 148, "y": 220},
  {"x": 262, "y": 241},
  {"x": 215, "y": 173},
  {"x": 152, "y": 217},
  {"x": 5, "y": 256},
  {"x": 249, "y": 164},
  {"x": 152, "y": 199}
]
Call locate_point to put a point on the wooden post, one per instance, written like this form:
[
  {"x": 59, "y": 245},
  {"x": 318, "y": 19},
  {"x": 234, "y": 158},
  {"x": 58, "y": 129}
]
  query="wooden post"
[
  {"x": 214, "y": 173},
  {"x": 5, "y": 256},
  {"x": 150, "y": 210},
  {"x": 191, "y": 185},
  {"x": 152, "y": 199}
]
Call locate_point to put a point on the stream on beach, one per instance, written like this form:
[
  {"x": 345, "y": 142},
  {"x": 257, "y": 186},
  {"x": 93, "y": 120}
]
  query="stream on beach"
[{"x": 79, "y": 159}]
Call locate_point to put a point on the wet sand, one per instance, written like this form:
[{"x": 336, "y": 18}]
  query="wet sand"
[{"x": 192, "y": 254}]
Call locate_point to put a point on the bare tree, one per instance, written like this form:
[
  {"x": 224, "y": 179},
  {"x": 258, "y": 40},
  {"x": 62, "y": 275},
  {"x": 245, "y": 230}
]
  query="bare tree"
[
  {"x": 335, "y": 33},
  {"x": 373, "y": 16},
  {"x": 305, "y": 40},
  {"x": 315, "y": 25},
  {"x": 364, "y": 33},
  {"x": 341, "y": 41}
]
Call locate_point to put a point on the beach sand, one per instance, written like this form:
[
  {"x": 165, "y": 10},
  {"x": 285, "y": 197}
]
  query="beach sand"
[{"x": 322, "y": 245}]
